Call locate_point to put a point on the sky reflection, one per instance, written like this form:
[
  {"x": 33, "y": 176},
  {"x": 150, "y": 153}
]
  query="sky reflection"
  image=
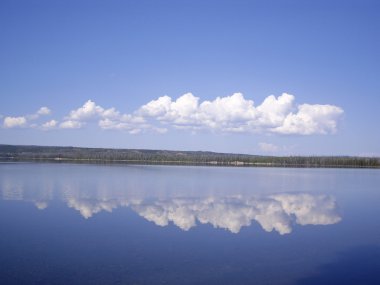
[{"x": 277, "y": 212}]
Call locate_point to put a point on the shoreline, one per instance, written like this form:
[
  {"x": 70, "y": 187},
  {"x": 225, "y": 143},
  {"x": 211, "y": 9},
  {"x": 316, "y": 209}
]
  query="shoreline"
[
  {"x": 59, "y": 154},
  {"x": 180, "y": 163}
]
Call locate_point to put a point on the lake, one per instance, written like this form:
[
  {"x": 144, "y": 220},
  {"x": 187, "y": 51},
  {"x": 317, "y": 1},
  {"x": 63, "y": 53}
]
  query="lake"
[{"x": 134, "y": 224}]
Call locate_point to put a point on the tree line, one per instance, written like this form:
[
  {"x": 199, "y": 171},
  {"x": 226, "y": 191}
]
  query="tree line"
[{"x": 55, "y": 153}]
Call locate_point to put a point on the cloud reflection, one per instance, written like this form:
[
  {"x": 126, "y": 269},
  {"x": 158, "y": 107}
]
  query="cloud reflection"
[
  {"x": 41, "y": 205},
  {"x": 276, "y": 212},
  {"x": 88, "y": 208}
]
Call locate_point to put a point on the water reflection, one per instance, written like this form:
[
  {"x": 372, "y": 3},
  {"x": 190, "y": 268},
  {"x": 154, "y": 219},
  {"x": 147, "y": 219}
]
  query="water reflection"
[{"x": 277, "y": 212}]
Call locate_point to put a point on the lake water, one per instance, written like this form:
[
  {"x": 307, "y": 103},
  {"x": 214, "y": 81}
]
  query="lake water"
[{"x": 130, "y": 224}]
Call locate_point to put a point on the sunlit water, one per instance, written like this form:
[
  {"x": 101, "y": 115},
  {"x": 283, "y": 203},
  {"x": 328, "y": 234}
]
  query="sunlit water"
[{"x": 129, "y": 224}]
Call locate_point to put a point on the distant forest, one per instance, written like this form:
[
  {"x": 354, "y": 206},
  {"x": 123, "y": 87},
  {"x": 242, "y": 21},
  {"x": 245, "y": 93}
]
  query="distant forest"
[{"x": 108, "y": 155}]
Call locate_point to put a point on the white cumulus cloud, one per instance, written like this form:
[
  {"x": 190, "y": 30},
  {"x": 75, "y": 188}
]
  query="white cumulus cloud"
[
  {"x": 89, "y": 110},
  {"x": 26, "y": 120},
  {"x": 44, "y": 111},
  {"x": 71, "y": 124},
  {"x": 228, "y": 114},
  {"x": 49, "y": 125},
  {"x": 311, "y": 119},
  {"x": 11, "y": 122},
  {"x": 236, "y": 114},
  {"x": 108, "y": 119}
]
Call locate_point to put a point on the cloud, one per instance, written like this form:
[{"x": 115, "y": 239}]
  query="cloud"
[
  {"x": 24, "y": 121},
  {"x": 123, "y": 122},
  {"x": 107, "y": 124},
  {"x": 229, "y": 114},
  {"x": 71, "y": 124},
  {"x": 268, "y": 147},
  {"x": 108, "y": 119},
  {"x": 156, "y": 108},
  {"x": 236, "y": 114},
  {"x": 222, "y": 113},
  {"x": 311, "y": 119},
  {"x": 12, "y": 122},
  {"x": 273, "y": 111},
  {"x": 49, "y": 125},
  {"x": 90, "y": 110},
  {"x": 44, "y": 111}
]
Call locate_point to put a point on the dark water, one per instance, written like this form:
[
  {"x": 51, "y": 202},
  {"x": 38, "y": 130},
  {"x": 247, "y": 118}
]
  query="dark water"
[{"x": 92, "y": 224}]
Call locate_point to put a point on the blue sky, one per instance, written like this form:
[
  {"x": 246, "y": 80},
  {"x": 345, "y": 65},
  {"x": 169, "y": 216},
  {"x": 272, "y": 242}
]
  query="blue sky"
[{"x": 192, "y": 75}]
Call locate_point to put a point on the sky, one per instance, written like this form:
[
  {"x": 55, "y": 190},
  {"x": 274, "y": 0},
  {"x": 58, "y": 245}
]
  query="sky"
[{"x": 257, "y": 77}]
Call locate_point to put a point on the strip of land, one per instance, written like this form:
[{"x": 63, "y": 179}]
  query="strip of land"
[{"x": 144, "y": 156}]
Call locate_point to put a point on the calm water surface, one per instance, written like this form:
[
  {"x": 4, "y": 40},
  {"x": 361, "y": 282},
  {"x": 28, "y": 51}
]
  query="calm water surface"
[{"x": 99, "y": 224}]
